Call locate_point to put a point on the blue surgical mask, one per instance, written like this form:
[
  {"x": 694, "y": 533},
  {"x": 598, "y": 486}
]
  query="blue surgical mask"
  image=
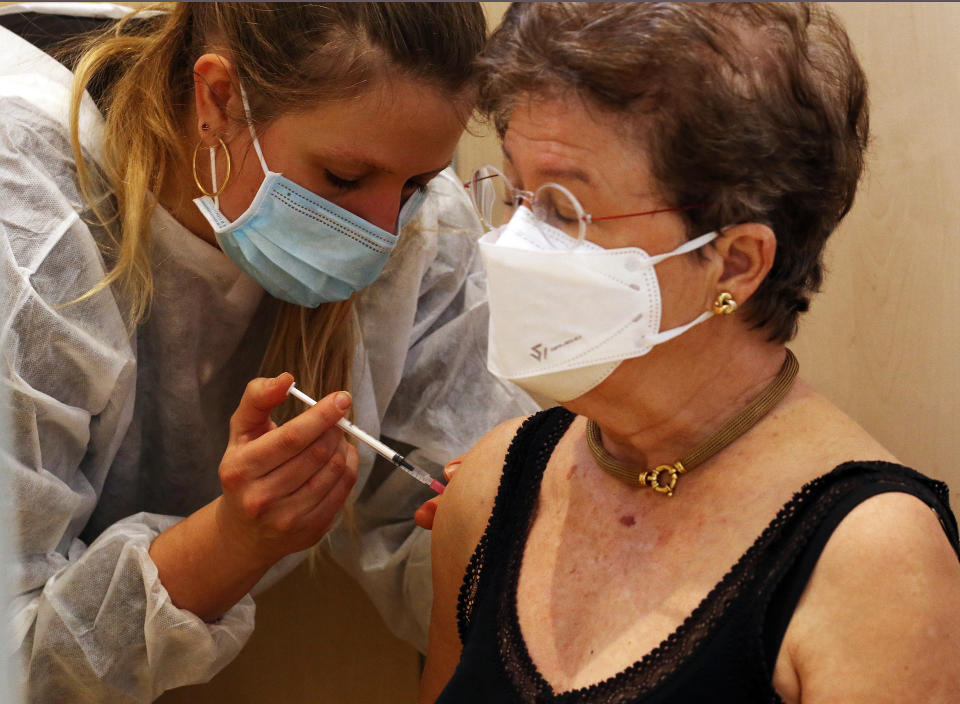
[{"x": 299, "y": 246}]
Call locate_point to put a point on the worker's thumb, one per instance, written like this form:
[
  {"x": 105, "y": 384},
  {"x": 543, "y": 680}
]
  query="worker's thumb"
[{"x": 252, "y": 417}]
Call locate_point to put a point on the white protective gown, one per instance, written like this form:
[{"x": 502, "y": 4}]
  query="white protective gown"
[{"x": 115, "y": 438}]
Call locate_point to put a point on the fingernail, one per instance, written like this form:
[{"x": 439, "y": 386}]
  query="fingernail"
[
  {"x": 451, "y": 467},
  {"x": 342, "y": 400},
  {"x": 277, "y": 380}
]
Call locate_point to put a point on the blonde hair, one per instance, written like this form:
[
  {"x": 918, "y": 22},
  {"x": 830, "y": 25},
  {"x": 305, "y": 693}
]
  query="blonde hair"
[{"x": 288, "y": 55}]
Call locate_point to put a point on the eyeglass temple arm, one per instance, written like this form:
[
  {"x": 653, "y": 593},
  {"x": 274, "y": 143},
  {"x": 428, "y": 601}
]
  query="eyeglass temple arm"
[
  {"x": 466, "y": 184},
  {"x": 589, "y": 218}
]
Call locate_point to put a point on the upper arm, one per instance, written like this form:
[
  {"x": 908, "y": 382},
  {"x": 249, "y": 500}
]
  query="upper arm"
[
  {"x": 461, "y": 519},
  {"x": 62, "y": 364},
  {"x": 880, "y": 618},
  {"x": 67, "y": 370}
]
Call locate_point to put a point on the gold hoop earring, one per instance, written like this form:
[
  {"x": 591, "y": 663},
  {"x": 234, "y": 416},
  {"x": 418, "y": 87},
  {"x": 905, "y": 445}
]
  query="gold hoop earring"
[
  {"x": 196, "y": 177},
  {"x": 724, "y": 304}
]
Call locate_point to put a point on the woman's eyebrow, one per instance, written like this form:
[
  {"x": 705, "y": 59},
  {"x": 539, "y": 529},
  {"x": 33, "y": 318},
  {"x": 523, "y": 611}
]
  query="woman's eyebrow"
[
  {"x": 360, "y": 160},
  {"x": 370, "y": 164},
  {"x": 557, "y": 172}
]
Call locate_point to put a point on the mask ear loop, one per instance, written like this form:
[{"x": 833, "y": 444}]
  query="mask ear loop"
[
  {"x": 686, "y": 247},
  {"x": 661, "y": 337},
  {"x": 253, "y": 132},
  {"x": 215, "y": 193},
  {"x": 213, "y": 176}
]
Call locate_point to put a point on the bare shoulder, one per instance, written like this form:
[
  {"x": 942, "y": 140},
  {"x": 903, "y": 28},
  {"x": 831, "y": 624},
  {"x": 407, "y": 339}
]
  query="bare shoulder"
[
  {"x": 462, "y": 515},
  {"x": 818, "y": 435},
  {"x": 891, "y": 532},
  {"x": 466, "y": 505},
  {"x": 885, "y": 589}
]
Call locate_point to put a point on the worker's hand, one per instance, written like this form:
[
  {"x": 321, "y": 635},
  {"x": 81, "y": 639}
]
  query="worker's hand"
[
  {"x": 283, "y": 486},
  {"x": 426, "y": 512}
]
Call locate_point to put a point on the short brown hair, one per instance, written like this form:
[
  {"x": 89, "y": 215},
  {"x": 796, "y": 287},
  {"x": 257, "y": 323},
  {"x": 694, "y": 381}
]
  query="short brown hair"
[{"x": 758, "y": 110}]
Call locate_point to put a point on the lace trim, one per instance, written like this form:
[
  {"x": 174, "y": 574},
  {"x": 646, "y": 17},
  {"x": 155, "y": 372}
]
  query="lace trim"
[
  {"x": 514, "y": 472},
  {"x": 749, "y": 585}
]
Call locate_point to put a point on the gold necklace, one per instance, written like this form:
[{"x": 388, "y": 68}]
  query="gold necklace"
[{"x": 663, "y": 479}]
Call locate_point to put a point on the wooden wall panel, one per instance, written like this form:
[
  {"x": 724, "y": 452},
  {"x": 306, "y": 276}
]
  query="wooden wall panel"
[{"x": 883, "y": 338}]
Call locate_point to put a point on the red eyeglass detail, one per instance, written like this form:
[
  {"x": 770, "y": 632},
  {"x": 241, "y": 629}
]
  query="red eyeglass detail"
[
  {"x": 589, "y": 218},
  {"x": 466, "y": 184}
]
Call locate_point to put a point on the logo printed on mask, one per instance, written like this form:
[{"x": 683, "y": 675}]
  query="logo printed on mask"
[
  {"x": 543, "y": 284},
  {"x": 539, "y": 351}
]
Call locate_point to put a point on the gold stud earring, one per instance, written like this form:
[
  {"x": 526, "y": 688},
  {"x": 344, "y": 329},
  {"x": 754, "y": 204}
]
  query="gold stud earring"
[{"x": 724, "y": 304}]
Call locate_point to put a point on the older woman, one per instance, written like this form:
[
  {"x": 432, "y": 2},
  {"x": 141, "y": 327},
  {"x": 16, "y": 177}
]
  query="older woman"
[{"x": 692, "y": 524}]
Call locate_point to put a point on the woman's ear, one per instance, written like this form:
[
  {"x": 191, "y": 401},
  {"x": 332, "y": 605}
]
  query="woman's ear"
[
  {"x": 747, "y": 252},
  {"x": 216, "y": 97}
]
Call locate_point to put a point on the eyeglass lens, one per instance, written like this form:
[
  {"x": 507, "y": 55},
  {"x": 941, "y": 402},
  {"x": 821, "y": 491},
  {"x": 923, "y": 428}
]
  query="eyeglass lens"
[
  {"x": 496, "y": 201},
  {"x": 493, "y": 196},
  {"x": 555, "y": 207}
]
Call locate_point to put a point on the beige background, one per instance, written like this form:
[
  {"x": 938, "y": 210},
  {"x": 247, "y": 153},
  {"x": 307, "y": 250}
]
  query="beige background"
[
  {"x": 319, "y": 640},
  {"x": 881, "y": 341}
]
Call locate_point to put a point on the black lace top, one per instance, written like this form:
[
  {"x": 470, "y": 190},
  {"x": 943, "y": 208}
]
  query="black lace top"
[{"x": 723, "y": 652}]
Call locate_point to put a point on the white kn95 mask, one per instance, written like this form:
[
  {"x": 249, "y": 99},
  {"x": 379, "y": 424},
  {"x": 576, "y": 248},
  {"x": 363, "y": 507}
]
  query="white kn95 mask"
[{"x": 565, "y": 312}]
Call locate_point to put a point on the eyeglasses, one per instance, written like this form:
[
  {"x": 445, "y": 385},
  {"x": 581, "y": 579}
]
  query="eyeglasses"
[{"x": 496, "y": 199}]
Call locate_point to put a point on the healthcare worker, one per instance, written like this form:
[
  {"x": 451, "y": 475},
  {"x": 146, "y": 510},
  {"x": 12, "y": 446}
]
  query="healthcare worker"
[{"x": 228, "y": 207}]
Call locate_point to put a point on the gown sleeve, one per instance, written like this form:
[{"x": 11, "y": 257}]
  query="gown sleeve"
[
  {"x": 90, "y": 623},
  {"x": 424, "y": 330}
]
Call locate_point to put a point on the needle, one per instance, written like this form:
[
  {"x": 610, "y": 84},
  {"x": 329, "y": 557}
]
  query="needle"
[{"x": 395, "y": 457}]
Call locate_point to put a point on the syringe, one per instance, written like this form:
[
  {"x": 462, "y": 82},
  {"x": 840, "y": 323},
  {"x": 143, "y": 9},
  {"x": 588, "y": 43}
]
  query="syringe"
[{"x": 395, "y": 457}]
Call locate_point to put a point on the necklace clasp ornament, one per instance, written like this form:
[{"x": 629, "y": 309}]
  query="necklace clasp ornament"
[
  {"x": 663, "y": 479},
  {"x": 653, "y": 477}
]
